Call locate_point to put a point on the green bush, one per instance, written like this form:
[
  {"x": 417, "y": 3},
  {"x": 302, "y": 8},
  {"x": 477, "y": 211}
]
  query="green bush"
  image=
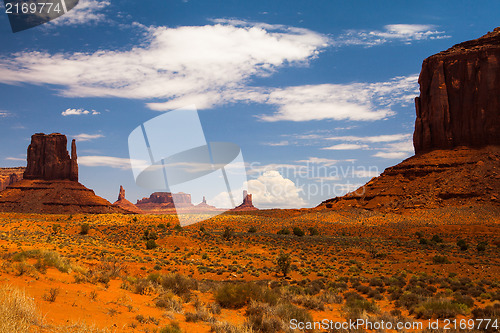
[
  {"x": 284, "y": 231},
  {"x": 228, "y": 233},
  {"x": 171, "y": 328},
  {"x": 298, "y": 232},
  {"x": 237, "y": 295},
  {"x": 313, "y": 231},
  {"x": 437, "y": 259},
  {"x": 481, "y": 246},
  {"x": 151, "y": 244},
  {"x": 439, "y": 308},
  {"x": 84, "y": 229},
  {"x": 462, "y": 244},
  {"x": 284, "y": 263}
]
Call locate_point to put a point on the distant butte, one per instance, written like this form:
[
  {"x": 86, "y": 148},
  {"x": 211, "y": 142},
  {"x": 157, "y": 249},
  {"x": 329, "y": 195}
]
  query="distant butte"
[
  {"x": 125, "y": 204},
  {"x": 50, "y": 184},
  {"x": 247, "y": 204},
  {"x": 456, "y": 137}
]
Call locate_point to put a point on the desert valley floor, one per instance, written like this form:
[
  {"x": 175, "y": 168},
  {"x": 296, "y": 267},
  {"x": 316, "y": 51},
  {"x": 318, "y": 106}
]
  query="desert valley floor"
[{"x": 144, "y": 273}]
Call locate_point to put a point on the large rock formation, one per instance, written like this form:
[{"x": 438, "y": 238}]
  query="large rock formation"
[
  {"x": 9, "y": 176},
  {"x": 163, "y": 202},
  {"x": 247, "y": 203},
  {"x": 456, "y": 138},
  {"x": 459, "y": 103},
  {"x": 125, "y": 204},
  {"x": 50, "y": 183},
  {"x": 48, "y": 158}
]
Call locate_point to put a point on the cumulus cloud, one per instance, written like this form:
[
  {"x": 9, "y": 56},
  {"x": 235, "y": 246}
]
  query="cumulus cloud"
[
  {"x": 205, "y": 65},
  {"x": 87, "y": 137},
  {"x": 354, "y": 101},
  {"x": 405, "y": 33},
  {"x": 108, "y": 161},
  {"x": 272, "y": 190},
  {"x": 78, "y": 112},
  {"x": 85, "y": 12}
]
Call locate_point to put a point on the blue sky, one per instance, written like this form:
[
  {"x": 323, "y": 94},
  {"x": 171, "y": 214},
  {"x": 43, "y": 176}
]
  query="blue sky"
[{"x": 318, "y": 94}]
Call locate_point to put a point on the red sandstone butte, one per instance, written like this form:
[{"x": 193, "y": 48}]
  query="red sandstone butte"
[
  {"x": 459, "y": 103},
  {"x": 50, "y": 184},
  {"x": 456, "y": 137},
  {"x": 125, "y": 204},
  {"x": 247, "y": 203}
]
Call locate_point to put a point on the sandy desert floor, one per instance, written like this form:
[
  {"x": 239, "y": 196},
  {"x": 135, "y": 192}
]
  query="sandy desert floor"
[{"x": 143, "y": 273}]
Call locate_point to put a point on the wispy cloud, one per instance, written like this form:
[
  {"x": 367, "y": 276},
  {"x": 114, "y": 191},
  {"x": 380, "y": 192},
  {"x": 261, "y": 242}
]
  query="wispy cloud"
[
  {"x": 346, "y": 146},
  {"x": 373, "y": 139},
  {"x": 203, "y": 65},
  {"x": 86, "y": 12},
  {"x": 15, "y": 159},
  {"x": 405, "y": 33},
  {"x": 396, "y": 150},
  {"x": 277, "y": 144},
  {"x": 319, "y": 160},
  {"x": 4, "y": 114},
  {"x": 87, "y": 137},
  {"x": 78, "y": 112},
  {"x": 108, "y": 161},
  {"x": 354, "y": 101}
]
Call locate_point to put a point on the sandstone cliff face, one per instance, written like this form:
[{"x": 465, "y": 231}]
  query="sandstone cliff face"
[
  {"x": 48, "y": 158},
  {"x": 459, "y": 103}
]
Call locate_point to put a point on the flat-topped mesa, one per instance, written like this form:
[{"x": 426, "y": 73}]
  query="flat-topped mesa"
[
  {"x": 459, "y": 103},
  {"x": 48, "y": 158}
]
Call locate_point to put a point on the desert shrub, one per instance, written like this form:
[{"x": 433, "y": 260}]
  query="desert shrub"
[
  {"x": 331, "y": 298},
  {"x": 491, "y": 312},
  {"x": 171, "y": 328},
  {"x": 419, "y": 234},
  {"x": 51, "y": 295},
  {"x": 84, "y": 229},
  {"x": 313, "y": 231},
  {"x": 354, "y": 307},
  {"x": 169, "y": 302},
  {"x": 283, "y": 263},
  {"x": 481, "y": 247},
  {"x": 252, "y": 230},
  {"x": 463, "y": 299},
  {"x": 409, "y": 300},
  {"x": 17, "y": 311},
  {"x": 237, "y": 295},
  {"x": 462, "y": 244},
  {"x": 284, "y": 231},
  {"x": 262, "y": 319},
  {"x": 423, "y": 241},
  {"x": 149, "y": 234},
  {"x": 437, "y": 259},
  {"x": 228, "y": 233},
  {"x": 179, "y": 284},
  {"x": 201, "y": 314},
  {"x": 225, "y": 327},
  {"x": 298, "y": 232},
  {"x": 310, "y": 302},
  {"x": 439, "y": 308},
  {"x": 177, "y": 227},
  {"x": 436, "y": 239},
  {"x": 151, "y": 244},
  {"x": 287, "y": 312}
]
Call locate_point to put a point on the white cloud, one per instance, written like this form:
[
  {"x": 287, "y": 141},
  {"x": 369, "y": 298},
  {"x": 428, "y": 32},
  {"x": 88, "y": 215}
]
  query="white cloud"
[
  {"x": 373, "y": 139},
  {"x": 271, "y": 190},
  {"x": 78, "y": 112},
  {"x": 391, "y": 154},
  {"x": 108, "y": 161},
  {"x": 15, "y": 159},
  {"x": 87, "y": 137},
  {"x": 346, "y": 146},
  {"x": 85, "y": 12},
  {"x": 319, "y": 160},
  {"x": 206, "y": 65},
  {"x": 354, "y": 101},
  {"x": 277, "y": 144},
  {"x": 366, "y": 173},
  {"x": 4, "y": 114},
  {"x": 405, "y": 33}
]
